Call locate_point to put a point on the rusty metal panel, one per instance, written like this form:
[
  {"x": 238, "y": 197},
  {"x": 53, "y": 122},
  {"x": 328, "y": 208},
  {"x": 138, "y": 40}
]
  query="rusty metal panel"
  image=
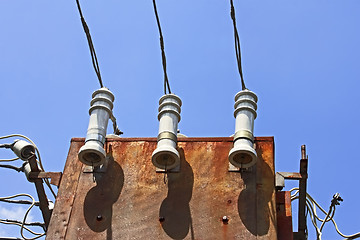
[
  {"x": 65, "y": 198},
  {"x": 284, "y": 216},
  {"x": 131, "y": 201}
]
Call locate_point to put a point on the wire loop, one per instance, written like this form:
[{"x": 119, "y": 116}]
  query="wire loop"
[
  {"x": 23, "y": 222},
  {"x": 311, "y": 205}
]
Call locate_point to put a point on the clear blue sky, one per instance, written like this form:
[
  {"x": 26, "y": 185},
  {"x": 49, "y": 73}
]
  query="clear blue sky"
[{"x": 300, "y": 57}]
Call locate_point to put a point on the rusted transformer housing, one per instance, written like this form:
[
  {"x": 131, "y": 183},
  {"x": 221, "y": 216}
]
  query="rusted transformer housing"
[{"x": 128, "y": 199}]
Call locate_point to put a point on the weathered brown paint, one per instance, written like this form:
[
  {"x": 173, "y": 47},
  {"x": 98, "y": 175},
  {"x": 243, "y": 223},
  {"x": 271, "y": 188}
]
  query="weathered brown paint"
[
  {"x": 44, "y": 205},
  {"x": 131, "y": 201},
  {"x": 55, "y": 177},
  {"x": 60, "y": 217},
  {"x": 284, "y": 216}
]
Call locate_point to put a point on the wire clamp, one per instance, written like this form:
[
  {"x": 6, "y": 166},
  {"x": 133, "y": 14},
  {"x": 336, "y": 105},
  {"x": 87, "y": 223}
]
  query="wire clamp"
[{"x": 336, "y": 199}]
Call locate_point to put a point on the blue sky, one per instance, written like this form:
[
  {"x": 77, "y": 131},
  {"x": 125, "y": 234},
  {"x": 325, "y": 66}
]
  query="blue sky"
[{"x": 300, "y": 57}]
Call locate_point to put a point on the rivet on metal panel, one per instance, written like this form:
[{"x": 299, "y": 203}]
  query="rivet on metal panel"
[{"x": 225, "y": 220}]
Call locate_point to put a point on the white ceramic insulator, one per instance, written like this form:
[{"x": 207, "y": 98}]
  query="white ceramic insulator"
[
  {"x": 93, "y": 153},
  {"x": 245, "y": 114},
  {"x": 245, "y": 110},
  {"x": 169, "y": 117},
  {"x": 23, "y": 149}
]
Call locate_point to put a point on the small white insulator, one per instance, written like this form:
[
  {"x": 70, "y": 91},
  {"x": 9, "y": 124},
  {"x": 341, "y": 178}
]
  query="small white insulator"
[
  {"x": 23, "y": 149},
  {"x": 243, "y": 154},
  {"x": 93, "y": 153},
  {"x": 165, "y": 155}
]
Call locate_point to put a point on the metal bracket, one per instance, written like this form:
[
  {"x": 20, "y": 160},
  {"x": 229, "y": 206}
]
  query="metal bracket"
[
  {"x": 281, "y": 176},
  {"x": 55, "y": 177},
  {"x": 173, "y": 170},
  {"x": 302, "y": 177},
  {"x": 99, "y": 169},
  {"x": 233, "y": 168}
]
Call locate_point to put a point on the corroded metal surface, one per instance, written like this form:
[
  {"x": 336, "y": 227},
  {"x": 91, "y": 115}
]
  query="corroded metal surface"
[
  {"x": 44, "y": 204},
  {"x": 55, "y": 177},
  {"x": 60, "y": 217},
  {"x": 129, "y": 200},
  {"x": 284, "y": 216}
]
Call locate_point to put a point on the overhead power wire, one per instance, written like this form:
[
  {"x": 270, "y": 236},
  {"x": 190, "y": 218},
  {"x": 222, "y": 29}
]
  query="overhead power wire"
[
  {"x": 95, "y": 61},
  {"x": 166, "y": 80},
  {"x": 237, "y": 45},
  {"x": 91, "y": 45},
  {"x": 27, "y": 229},
  {"x": 19, "y": 202},
  {"x": 10, "y": 238},
  {"x": 9, "y": 160},
  {"x": 36, "y": 224},
  {"x": 5, "y": 145},
  {"x": 23, "y": 223},
  {"x": 18, "y": 169}
]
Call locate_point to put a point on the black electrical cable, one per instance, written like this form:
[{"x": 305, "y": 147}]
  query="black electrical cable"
[
  {"x": 38, "y": 224},
  {"x": 18, "y": 169},
  {"x": 237, "y": 45},
  {"x": 166, "y": 80},
  {"x": 91, "y": 45},
  {"x": 5, "y": 145},
  {"x": 20, "y": 202},
  {"x": 10, "y": 238}
]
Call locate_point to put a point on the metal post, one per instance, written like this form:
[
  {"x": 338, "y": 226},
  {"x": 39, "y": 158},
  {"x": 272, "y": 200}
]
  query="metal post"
[
  {"x": 302, "y": 194},
  {"x": 44, "y": 204}
]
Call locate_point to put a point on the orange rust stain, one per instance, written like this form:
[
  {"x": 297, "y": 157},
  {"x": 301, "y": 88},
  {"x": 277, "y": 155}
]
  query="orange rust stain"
[{"x": 192, "y": 202}]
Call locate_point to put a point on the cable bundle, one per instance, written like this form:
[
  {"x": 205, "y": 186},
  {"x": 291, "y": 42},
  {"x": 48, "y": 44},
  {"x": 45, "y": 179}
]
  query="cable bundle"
[
  {"x": 23, "y": 222},
  {"x": 312, "y": 205}
]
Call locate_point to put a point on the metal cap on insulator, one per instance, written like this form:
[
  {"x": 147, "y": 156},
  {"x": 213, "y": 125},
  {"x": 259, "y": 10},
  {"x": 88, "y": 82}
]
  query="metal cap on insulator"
[
  {"x": 165, "y": 155},
  {"x": 243, "y": 154},
  {"x": 101, "y": 105}
]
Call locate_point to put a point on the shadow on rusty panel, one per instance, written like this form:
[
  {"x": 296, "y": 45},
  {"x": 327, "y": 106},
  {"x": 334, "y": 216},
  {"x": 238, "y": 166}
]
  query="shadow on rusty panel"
[
  {"x": 98, "y": 204},
  {"x": 255, "y": 197},
  {"x": 174, "y": 214}
]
